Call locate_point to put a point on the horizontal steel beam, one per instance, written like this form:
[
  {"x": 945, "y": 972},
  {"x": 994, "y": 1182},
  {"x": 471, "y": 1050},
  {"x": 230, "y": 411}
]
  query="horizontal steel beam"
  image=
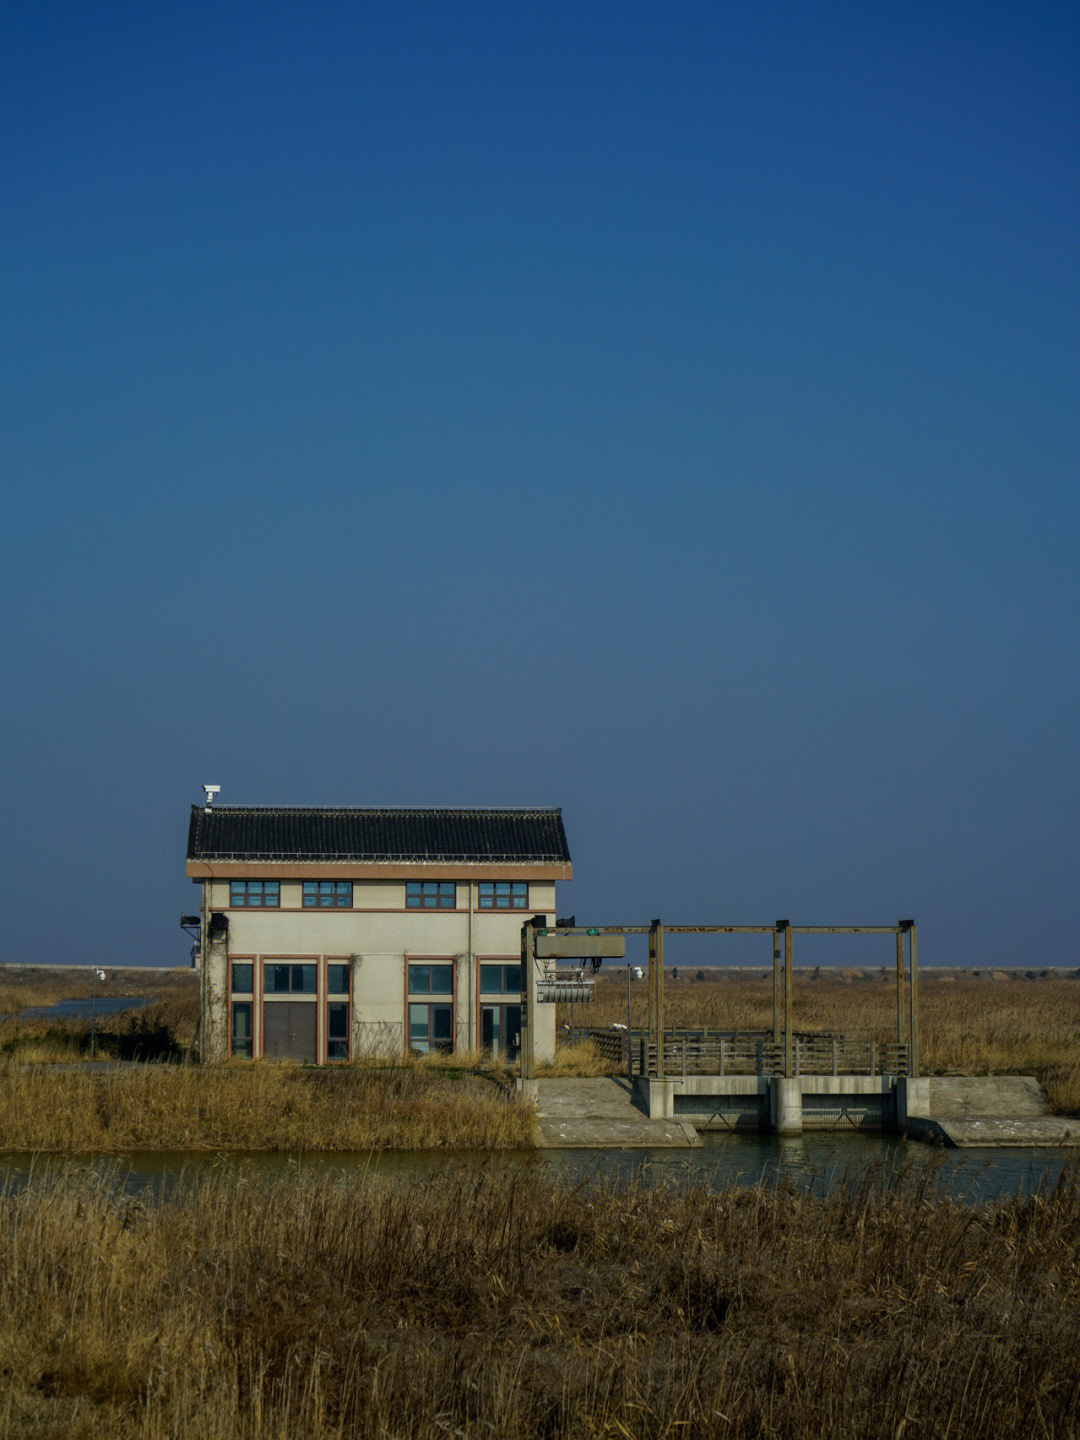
[
  {"x": 741, "y": 929},
  {"x": 718, "y": 929},
  {"x": 577, "y": 945},
  {"x": 847, "y": 929}
]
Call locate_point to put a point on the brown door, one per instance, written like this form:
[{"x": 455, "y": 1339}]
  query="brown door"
[{"x": 289, "y": 1030}]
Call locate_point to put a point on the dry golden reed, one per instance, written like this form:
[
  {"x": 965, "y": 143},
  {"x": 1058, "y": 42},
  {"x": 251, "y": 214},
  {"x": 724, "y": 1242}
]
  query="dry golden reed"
[
  {"x": 244, "y": 1106},
  {"x": 163, "y": 1029},
  {"x": 970, "y": 1025},
  {"x": 24, "y": 986},
  {"x": 503, "y": 1305}
]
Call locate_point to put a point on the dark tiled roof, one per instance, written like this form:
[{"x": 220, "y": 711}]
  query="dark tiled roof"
[{"x": 234, "y": 832}]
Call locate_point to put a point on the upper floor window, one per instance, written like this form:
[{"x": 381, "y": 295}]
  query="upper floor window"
[
  {"x": 428, "y": 979},
  {"x": 500, "y": 979},
  {"x": 290, "y": 979},
  {"x": 430, "y": 894},
  {"x": 337, "y": 979},
  {"x": 504, "y": 894},
  {"x": 242, "y": 973},
  {"x": 254, "y": 894},
  {"x": 327, "y": 894}
]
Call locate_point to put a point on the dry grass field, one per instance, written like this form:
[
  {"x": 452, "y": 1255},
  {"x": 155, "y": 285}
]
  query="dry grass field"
[
  {"x": 245, "y": 1106},
  {"x": 163, "y": 1030},
  {"x": 971, "y": 1023},
  {"x": 513, "y": 1308},
  {"x": 22, "y": 986},
  {"x": 431, "y": 1102}
]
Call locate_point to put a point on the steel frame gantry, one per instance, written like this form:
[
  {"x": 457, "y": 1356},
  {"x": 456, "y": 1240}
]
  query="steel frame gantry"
[{"x": 782, "y": 932}]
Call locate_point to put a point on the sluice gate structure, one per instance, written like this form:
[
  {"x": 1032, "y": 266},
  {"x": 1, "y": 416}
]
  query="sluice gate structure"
[{"x": 782, "y": 1079}]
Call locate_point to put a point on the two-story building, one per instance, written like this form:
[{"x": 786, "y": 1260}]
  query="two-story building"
[{"x": 328, "y": 934}]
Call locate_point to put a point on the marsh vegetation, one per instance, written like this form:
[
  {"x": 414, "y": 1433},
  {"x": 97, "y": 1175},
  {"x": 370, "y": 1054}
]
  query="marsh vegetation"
[
  {"x": 245, "y": 1106},
  {"x": 481, "y": 1304},
  {"x": 164, "y": 1029},
  {"x": 972, "y": 1023}
]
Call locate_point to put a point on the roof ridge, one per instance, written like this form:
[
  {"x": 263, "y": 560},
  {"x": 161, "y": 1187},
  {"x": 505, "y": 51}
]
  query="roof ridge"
[{"x": 482, "y": 833}]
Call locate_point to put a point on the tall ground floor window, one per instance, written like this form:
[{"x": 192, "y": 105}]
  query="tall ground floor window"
[
  {"x": 337, "y": 1030},
  {"x": 500, "y": 1008},
  {"x": 338, "y": 1012},
  {"x": 240, "y": 1038},
  {"x": 430, "y": 1005},
  {"x": 500, "y": 1029},
  {"x": 290, "y": 1008},
  {"x": 431, "y": 1027}
]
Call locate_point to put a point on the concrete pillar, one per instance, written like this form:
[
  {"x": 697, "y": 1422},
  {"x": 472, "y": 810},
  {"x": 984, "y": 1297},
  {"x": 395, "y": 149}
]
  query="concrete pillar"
[
  {"x": 660, "y": 1099},
  {"x": 214, "y": 1019},
  {"x": 912, "y": 1100},
  {"x": 785, "y": 1105}
]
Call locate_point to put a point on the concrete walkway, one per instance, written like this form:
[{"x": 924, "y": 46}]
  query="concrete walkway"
[
  {"x": 600, "y": 1113},
  {"x": 1045, "y": 1132},
  {"x": 995, "y": 1110}
]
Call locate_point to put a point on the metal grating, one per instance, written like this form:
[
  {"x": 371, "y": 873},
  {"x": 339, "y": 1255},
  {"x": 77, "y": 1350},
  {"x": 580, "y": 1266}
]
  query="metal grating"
[
  {"x": 724, "y": 1112},
  {"x": 848, "y": 1112}
]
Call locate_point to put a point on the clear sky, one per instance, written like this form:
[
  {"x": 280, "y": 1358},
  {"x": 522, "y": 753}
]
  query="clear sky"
[{"x": 665, "y": 411}]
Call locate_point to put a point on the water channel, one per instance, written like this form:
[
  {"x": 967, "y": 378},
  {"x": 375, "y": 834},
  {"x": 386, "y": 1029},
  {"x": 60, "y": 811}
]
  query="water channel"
[
  {"x": 817, "y": 1162},
  {"x": 84, "y": 1009}
]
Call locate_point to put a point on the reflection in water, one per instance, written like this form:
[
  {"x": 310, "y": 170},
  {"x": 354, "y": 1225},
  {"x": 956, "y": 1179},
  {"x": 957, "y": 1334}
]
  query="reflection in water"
[
  {"x": 83, "y": 1009},
  {"x": 818, "y": 1162}
]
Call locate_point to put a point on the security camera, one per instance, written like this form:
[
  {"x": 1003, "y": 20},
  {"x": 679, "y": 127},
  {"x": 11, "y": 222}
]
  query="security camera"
[{"x": 211, "y": 791}]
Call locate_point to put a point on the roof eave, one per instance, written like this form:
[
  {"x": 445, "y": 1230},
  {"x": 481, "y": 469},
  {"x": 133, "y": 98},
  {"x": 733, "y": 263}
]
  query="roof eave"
[{"x": 299, "y": 868}]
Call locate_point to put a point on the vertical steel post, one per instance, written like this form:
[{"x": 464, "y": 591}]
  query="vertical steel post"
[
  {"x": 528, "y": 1003},
  {"x": 913, "y": 1024},
  {"x": 788, "y": 1036},
  {"x": 660, "y": 998},
  {"x": 472, "y": 990},
  {"x": 776, "y": 985},
  {"x": 652, "y": 989},
  {"x": 900, "y": 988},
  {"x": 629, "y": 1032}
]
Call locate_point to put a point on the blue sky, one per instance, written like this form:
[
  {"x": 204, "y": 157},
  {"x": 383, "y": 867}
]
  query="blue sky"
[{"x": 665, "y": 412}]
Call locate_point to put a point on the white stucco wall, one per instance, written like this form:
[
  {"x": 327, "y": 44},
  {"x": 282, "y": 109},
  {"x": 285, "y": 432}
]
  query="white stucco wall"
[{"x": 378, "y": 935}]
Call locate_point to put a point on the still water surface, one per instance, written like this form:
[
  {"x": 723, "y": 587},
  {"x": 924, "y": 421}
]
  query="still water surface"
[
  {"x": 84, "y": 1009},
  {"x": 817, "y": 1162}
]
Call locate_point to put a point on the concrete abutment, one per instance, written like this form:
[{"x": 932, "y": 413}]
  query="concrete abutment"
[{"x": 785, "y": 1105}]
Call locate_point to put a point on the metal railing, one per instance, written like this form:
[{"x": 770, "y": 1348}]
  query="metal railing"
[
  {"x": 378, "y": 1039},
  {"x": 717, "y": 1052}
]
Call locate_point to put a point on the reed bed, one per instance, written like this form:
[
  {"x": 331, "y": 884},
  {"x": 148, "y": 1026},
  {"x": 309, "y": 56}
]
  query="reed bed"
[
  {"x": 244, "y": 1106},
  {"x": 165, "y": 1029},
  {"x": 26, "y": 986},
  {"x": 580, "y": 1059},
  {"x": 514, "y": 1307},
  {"x": 970, "y": 1023}
]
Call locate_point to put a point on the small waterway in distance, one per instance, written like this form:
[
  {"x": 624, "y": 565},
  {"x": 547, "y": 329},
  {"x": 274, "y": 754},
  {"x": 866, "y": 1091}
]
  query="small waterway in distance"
[
  {"x": 816, "y": 1161},
  {"x": 84, "y": 1009}
]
